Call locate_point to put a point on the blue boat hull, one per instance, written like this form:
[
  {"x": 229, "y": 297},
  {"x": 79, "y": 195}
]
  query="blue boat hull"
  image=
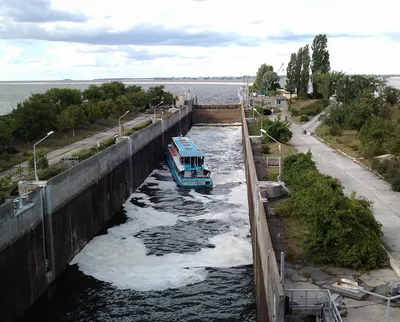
[{"x": 190, "y": 183}]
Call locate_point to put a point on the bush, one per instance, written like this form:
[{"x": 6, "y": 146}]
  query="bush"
[
  {"x": 314, "y": 108},
  {"x": 390, "y": 170},
  {"x": 41, "y": 161},
  {"x": 304, "y": 118},
  {"x": 141, "y": 126},
  {"x": 294, "y": 112},
  {"x": 265, "y": 148},
  {"x": 342, "y": 230},
  {"x": 335, "y": 130},
  {"x": 51, "y": 171}
]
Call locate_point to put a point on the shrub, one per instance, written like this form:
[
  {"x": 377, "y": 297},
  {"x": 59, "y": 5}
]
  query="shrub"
[
  {"x": 314, "y": 108},
  {"x": 41, "y": 161},
  {"x": 304, "y": 118},
  {"x": 51, "y": 171},
  {"x": 335, "y": 130},
  {"x": 295, "y": 112},
  {"x": 341, "y": 230},
  {"x": 265, "y": 148}
]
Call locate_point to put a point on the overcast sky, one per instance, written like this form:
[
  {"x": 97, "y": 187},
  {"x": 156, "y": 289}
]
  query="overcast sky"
[{"x": 85, "y": 39}]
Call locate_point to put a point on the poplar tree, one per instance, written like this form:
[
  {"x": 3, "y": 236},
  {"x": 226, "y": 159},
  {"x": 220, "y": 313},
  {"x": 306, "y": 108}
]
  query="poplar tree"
[
  {"x": 305, "y": 71},
  {"x": 320, "y": 60},
  {"x": 291, "y": 74}
]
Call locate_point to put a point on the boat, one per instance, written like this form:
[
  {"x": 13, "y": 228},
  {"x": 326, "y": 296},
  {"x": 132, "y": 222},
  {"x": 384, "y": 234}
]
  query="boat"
[{"x": 186, "y": 164}]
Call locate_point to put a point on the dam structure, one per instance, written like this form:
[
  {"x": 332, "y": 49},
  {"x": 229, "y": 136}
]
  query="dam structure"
[{"x": 52, "y": 222}]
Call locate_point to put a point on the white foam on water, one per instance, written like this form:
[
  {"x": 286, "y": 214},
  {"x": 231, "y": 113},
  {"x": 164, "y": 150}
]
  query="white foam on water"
[{"x": 121, "y": 259}]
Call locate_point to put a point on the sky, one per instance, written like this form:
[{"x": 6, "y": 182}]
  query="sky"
[{"x": 87, "y": 39}]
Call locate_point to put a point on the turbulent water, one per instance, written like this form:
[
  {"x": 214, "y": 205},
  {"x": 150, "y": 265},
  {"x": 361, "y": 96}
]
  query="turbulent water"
[{"x": 174, "y": 255}]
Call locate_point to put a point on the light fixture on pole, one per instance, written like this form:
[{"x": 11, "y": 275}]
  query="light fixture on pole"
[
  {"x": 119, "y": 123},
  {"x": 34, "y": 154},
  {"x": 155, "y": 107},
  {"x": 280, "y": 152},
  {"x": 254, "y": 110}
]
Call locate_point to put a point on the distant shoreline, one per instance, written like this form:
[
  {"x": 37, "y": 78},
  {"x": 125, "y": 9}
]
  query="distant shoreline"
[{"x": 96, "y": 82}]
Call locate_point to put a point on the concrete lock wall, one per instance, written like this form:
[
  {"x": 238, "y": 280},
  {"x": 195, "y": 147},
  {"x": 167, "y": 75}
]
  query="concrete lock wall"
[
  {"x": 22, "y": 254},
  {"x": 55, "y": 221},
  {"x": 216, "y": 113},
  {"x": 269, "y": 289}
]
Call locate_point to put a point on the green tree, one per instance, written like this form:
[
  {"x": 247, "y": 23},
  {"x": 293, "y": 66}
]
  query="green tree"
[
  {"x": 41, "y": 162},
  {"x": 134, "y": 89},
  {"x": 110, "y": 91},
  {"x": 375, "y": 135},
  {"x": 391, "y": 95},
  {"x": 5, "y": 134},
  {"x": 291, "y": 74},
  {"x": 123, "y": 104},
  {"x": 305, "y": 71},
  {"x": 324, "y": 83},
  {"x": 61, "y": 98},
  {"x": 92, "y": 112},
  {"x": 320, "y": 60},
  {"x": 71, "y": 118},
  {"x": 156, "y": 94},
  {"x": 34, "y": 117},
  {"x": 93, "y": 93},
  {"x": 298, "y": 68},
  {"x": 266, "y": 78},
  {"x": 106, "y": 107},
  {"x": 139, "y": 100},
  {"x": 279, "y": 130}
]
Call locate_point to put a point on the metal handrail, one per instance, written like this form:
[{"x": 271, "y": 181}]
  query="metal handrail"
[{"x": 316, "y": 302}]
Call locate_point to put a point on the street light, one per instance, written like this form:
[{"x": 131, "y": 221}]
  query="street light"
[
  {"x": 155, "y": 107},
  {"x": 119, "y": 122},
  {"x": 280, "y": 152},
  {"x": 34, "y": 153}
]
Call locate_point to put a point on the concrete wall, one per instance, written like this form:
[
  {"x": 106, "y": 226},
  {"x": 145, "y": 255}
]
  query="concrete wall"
[
  {"x": 269, "y": 289},
  {"x": 38, "y": 241},
  {"x": 216, "y": 113},
  {"x": 22, "y": 255}
]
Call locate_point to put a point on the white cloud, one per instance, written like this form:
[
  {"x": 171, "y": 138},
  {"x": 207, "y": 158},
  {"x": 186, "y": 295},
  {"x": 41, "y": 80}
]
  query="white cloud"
[{"x": 358, "y": 38}]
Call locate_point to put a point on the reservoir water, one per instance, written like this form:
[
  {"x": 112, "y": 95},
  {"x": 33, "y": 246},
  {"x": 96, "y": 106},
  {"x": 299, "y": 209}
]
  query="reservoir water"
[{"x": 171, "y": 254}]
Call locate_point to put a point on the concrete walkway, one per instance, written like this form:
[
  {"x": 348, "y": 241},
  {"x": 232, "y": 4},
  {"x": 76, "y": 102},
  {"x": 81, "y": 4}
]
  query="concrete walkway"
[
  {"x": 355, "y": 177},
  {"x": 56, "y": 155}
]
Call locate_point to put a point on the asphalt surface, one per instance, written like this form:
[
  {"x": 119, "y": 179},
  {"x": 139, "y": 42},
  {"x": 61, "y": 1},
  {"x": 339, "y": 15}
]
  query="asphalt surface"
[{"x": 56, "y": 155}]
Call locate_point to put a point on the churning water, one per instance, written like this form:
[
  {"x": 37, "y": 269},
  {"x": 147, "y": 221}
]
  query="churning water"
[{"x": 175, "y": 255}]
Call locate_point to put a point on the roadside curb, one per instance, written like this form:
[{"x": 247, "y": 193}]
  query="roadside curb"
[
  {"x": 350, "y": 157},
  {"x": 394, "y": 264}
]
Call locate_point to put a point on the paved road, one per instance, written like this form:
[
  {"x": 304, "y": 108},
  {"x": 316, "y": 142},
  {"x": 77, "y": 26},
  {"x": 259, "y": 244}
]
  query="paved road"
[
  {"x": 56, "y": 155},
  {"x": 355, "y": 177}
]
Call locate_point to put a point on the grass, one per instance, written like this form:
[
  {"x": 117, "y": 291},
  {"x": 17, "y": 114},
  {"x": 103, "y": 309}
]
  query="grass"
[
  {"x": 272, "y": 174},
  {"x": 58, "y": 140},
  {"x": 286, "y": 149},
  {"x": 294, "y": 231},
  {"x": 348, "y": 142},
  {"x": 300, "y": 104}
]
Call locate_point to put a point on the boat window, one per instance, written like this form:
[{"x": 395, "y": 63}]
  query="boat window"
[{"x": 201, "y": 161}]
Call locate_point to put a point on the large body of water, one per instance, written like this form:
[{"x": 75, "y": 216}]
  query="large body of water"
[
  {"x": 171, "y": 255},
  {"x": 13, "y": 93}
]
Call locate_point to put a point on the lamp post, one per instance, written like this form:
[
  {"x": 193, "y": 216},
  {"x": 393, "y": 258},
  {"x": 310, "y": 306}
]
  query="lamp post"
[
  {"x": 34, "y": 153},
  {"x": 119, "y": 122},
  {"x": 155, "y": 107},
  {"x": 280, "y": 151}
]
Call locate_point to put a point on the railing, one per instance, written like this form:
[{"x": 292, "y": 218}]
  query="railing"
[{"x": 317, "y": 300}]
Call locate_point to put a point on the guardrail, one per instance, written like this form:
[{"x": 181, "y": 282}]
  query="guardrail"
[{"x": 317, "y": 300}]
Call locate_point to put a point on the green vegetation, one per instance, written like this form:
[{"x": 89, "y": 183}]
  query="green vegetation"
[
  {"x": 266, "y": 79},
  {"x": 365, "y": 122},
  {"x": 72, "y": 114},
  {"x": 335, "y": 229}
]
